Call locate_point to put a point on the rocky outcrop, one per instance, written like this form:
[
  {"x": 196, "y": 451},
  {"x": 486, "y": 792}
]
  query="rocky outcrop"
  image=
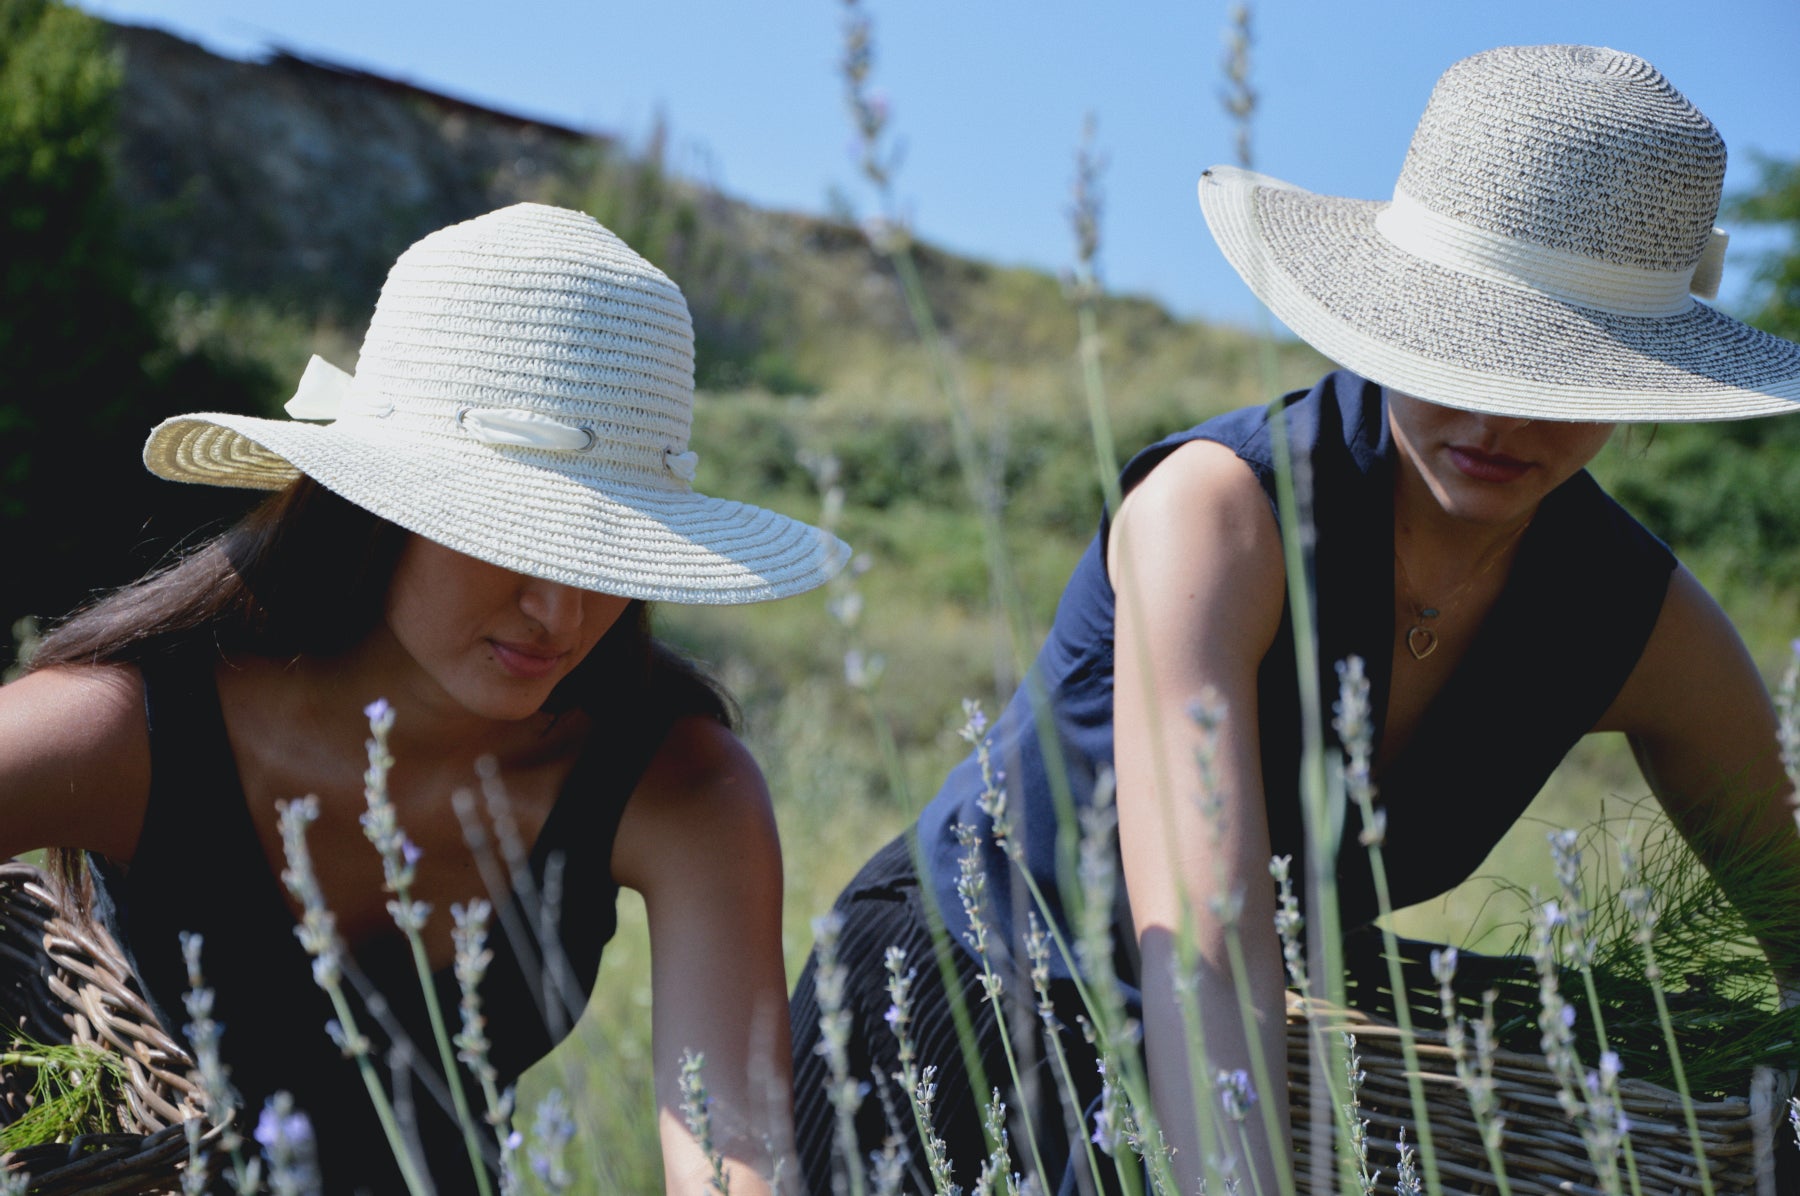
[{"x": 297, "y": 180}]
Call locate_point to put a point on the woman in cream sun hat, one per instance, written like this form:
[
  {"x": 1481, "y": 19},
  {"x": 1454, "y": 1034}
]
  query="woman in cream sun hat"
[
  {"x": 1527, "y": 287},
  {"x": 462, "y": 539}
]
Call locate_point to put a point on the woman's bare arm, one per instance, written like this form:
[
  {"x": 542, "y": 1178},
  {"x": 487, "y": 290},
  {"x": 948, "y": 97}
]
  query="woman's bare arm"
[
  {"x": 698, "y": 840},
  {"x": 1703, "y": 730},
  {"x": 74, "y": 761},
  {"x": 1195, "y": 558}
]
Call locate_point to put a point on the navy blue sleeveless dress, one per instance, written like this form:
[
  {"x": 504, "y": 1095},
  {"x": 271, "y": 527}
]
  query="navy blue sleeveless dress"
[
  {"x": 199, "y": 866},
  {"x": 1536, "y": 679}
]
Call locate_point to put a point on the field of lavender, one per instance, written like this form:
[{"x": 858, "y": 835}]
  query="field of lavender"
[{"x": 969, "y": 482}]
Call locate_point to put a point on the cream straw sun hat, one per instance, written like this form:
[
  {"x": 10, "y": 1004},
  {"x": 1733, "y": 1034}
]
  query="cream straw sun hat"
[
  {"x": 1551, "y": 222},
  {"x": 523, "y": 396}
]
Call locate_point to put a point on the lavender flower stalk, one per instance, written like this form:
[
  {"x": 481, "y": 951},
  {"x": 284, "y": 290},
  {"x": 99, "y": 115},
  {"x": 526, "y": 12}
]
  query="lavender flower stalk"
[
  {"x": 1084, "y": 287},
  {"x": 1406, "y": 1172},
  {"x": 399, "y": 867},
  {"x": 844, "y": 1092},
  {"x": 1640, "y": 905},
  {"x": 997, "y": 1177},
  {"x": 1787, "y": 727},
  {"x": 551, "y": 1130},
  {"x": 1115, "y": 1034},
  {"x": 1590, "y": 1105},
  {"x": 1578, "y": 951},
  {"x": 1354, "y": 1075},
  {"x": 696, "y": 1112},
  {"x": 918, "y": 1085},
  {"x": 1037, "y": 949},
  {"x": 1208, "y": 715},
  {"x": 1475, "y": 1075},
  {"x": 317, "y": 932},
  {"x": 214, "y": 1080},
  {"x": 469, "y": 935},
  {"x": 286, "y": 1136},
  {"x": 923, "y": 1095},
  {"x": 1355, "y": 725},
  {"x": 971, "y": 890}
]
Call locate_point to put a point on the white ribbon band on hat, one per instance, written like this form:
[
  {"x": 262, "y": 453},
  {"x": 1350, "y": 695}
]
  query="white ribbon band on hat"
[
  {"x": 523, "y": 429},
  {"x": 1605, "y": 286}
]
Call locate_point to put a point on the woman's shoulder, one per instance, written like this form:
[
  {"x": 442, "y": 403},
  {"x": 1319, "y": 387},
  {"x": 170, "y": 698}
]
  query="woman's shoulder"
[
  {"x": 74, "y": 759},
  {"x": 1202, "y": 495},
  {"x": 701, "y": 798}
]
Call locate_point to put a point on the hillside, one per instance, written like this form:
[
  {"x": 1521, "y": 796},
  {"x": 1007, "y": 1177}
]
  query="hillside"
[{"x": 290, "y": 184}]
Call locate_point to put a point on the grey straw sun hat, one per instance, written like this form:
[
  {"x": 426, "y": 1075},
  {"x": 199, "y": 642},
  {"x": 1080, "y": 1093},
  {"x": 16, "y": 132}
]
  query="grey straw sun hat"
[
  {"x": 524, "y": 396},
  {"x": 1552, "y": 221}
]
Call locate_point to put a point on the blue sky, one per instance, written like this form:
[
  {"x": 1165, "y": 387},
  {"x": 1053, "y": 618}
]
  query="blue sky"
[{"x": 988, "y": 98}]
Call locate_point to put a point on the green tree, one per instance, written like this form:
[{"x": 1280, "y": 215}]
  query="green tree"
[
  {"x": 1733, "y": 489},
  {"x": 1776, "y": 202},
  {"x": 86, "y": 371}
]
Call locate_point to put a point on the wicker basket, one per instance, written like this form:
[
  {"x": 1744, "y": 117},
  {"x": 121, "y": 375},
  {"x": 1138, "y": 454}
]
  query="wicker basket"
[
  {"x": 1543, "y": 1152},
  {"x": 64, "y": 980}
]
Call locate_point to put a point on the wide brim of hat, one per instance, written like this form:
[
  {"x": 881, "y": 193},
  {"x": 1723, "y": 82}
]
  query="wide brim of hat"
[
  {"x": 1321, "y": 266},
  {"x": 654, "y": 542}
]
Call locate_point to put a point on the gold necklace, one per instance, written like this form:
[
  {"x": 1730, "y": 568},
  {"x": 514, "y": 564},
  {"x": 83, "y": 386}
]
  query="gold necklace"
[{"x": 1421, "y": 640}]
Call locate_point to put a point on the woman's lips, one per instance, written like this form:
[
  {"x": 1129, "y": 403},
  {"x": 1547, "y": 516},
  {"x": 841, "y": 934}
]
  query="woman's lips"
[
  {"x": 524, "y": 662},
  {"x": 1487, "y": 467}
]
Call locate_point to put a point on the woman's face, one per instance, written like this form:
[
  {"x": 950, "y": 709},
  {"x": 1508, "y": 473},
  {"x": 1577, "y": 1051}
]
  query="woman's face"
[
  {"x": 1489, "y": 468},
  {"x": 496, "y": 642}
]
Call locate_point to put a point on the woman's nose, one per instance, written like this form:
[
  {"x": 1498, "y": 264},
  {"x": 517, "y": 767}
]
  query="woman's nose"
[{"x": 555, "y": 607}]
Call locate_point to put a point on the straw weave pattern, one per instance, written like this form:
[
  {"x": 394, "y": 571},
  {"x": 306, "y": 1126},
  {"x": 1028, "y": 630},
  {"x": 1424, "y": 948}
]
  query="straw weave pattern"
[
  {"x": 530, "y": 312},
  {"x": 63, "y": 980},
  {"x": 1557, "y": 200},
  {"x": 1542, "y": 1151},
  {"x": 1585, "y": 150}
]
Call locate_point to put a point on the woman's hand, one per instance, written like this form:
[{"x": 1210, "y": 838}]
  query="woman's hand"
[
  {"x": 698, "y": 840},
  {"x": 1195, "y": 559}
]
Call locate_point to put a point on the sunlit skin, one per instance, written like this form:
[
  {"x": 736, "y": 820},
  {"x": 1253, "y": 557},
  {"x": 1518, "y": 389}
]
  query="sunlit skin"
[
  {"x": 467, "y": 653},
  {"x": 1466, "y": 486},
  {"x": 1490, "y": 471},
  {"x": 493, "y": 641}
]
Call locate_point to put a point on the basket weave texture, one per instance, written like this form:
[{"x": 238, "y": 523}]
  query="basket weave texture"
[
  {"x": 64, "y": 980},
  {"x": 1542, "y": 1150}
]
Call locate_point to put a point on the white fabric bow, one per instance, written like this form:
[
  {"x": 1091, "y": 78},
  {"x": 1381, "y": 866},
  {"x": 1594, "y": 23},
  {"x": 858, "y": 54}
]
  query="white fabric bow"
[
  {"x": 322, "y": 393},
  {"x": 1711, "y": 266},
  {"x": 682, "y": 465}
]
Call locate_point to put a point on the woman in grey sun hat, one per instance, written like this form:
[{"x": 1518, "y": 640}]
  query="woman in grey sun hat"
[
  {"x": 457, "y": 554},
  {"x": 1528, "y": 286}
]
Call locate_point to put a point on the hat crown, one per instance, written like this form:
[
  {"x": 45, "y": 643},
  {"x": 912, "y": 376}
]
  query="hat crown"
[
  {"x": 1579, "y": 149},
  {"x": 536, "y": 310}
]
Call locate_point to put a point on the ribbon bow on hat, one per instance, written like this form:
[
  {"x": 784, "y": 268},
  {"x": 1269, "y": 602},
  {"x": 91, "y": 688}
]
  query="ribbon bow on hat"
[{"x": 323, "y": 392}]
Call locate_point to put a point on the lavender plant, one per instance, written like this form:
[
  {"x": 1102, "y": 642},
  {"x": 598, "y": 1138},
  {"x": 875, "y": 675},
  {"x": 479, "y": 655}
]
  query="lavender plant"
[
  {"x": 287, "y": 1140},
  {"x": 1639, "y": 902},
  {"x": 399, "y": 867},
  {"x": 1475, "y": 1074},
  {"x": 213, "y": 1079},
  {"x": 845, "y": 1091},
  {"x": 317, "y": 932},
  {"x": 1355, "y": 726},
  {"x": 696, "y": 1114}
]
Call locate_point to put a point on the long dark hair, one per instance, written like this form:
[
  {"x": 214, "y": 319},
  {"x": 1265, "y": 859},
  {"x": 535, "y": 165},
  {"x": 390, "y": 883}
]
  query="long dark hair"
[{"x": 306, "y": 574}]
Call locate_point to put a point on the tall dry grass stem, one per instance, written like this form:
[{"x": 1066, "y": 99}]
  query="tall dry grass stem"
[{"x": 1294, "y": 507}]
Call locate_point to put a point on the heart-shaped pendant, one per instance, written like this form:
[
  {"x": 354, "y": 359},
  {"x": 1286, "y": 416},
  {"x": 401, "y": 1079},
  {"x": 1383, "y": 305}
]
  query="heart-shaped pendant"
[{"x": 1421, "y": 642}]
